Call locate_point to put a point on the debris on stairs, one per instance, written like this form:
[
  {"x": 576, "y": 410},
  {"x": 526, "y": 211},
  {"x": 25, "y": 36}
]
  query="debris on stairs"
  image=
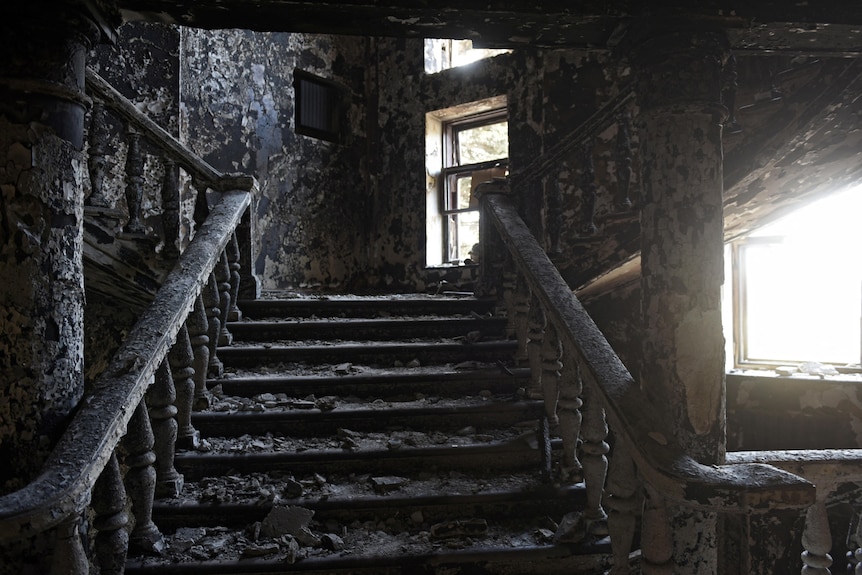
[{"x": 351, "y": 434}]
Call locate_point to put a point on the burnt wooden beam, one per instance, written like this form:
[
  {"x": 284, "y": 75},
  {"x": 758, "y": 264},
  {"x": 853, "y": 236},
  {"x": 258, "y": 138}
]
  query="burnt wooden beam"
[
  {"x": 828, "y": 27},
  {"x": 811, "y": 146}
]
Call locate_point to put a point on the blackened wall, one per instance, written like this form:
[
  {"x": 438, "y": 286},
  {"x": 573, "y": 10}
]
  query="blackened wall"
[{"x": 237, "y": 113}]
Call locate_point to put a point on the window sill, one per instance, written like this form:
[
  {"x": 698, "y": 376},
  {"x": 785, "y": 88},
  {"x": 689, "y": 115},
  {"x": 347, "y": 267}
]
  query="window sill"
[{"x": 780, "y": 374}]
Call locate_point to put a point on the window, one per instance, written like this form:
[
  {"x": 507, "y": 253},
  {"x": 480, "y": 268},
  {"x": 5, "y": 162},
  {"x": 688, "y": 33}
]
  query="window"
[
  {"x": 442, "y": 54},
  {"x": 471, "y": 149},
  {"x": 797, "y": 287},
  {"x": 318, "y": 106}
]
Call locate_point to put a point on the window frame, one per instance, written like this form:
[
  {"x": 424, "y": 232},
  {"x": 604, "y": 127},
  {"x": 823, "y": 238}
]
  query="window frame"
[
  {"x": 333, "y": 102},
  {"x": 452, "y": 170},
  {"x": 740, "y": 305}
]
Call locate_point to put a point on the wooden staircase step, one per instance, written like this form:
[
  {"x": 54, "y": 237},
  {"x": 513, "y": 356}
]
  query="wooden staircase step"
[
  {"x": 414, "y": 305},
  {"x": 399, "y": 424},
  {"x": 383, "y": 353},
  {"x": 499, "y": 455},
  {"x": 492, "y": 505},
  {"x": 591, "y": 557},
  {"x": 364, "y": 328},
  {"x": 379, "y": 383},
  {"x": 315, "y": 422}
]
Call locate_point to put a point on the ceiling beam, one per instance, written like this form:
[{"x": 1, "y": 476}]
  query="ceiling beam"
[{"x": 827, "y": 27}]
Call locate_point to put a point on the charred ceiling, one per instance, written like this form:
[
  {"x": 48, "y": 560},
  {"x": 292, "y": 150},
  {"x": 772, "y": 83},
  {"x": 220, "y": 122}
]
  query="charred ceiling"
[{"x": 825, "y": 27}]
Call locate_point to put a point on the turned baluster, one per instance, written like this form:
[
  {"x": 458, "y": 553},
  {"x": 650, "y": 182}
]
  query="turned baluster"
[
  {"x": 552, "y": 352},
  {"x": 552, "y": 365},
  {"x": 656, "y": 536},
  {"x": 202, "y": 208},
  {"x": 491, "y": 260},
  {"x": 109, "y": 505},
  {"x": 160, "y": 398},
  {"x": 171, "y": 210},
  {"x": 509, "y": 284},
  {"x": 197, "y": 326},
  {"x": 535, "y": 333},
  {"x": 97, "y": 136},
  {"x": 181, "y": 359},
  {"x": 594, "y": 431},
  {"x": 622, "y": 202},
  {"x": 141, "y": 482},
  {"x": 232, "y": 250},
  {"x": 134, "y": 182},
  {"x": 587, "y": 226},
  {"x": 855, "y": 539},
  {"x": 249, "y": 287},
  {"x": 211, "y": 301},
  {"x": 522, "y": 312},
  {"x": 569, "y": 413},
  {"x": 816, "y": 536},
  {"x": 222, "y": 271},
  {"x": 69, "y": 557},
  {"x": 624, "y": 502}
]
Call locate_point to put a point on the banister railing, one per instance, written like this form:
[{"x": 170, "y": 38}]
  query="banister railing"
[
  {"x": 199, "y": 169},
  {"x": 103, "y": 417},
  {"x": 165, "y": 358},
  {"x": 577, "y": 360},
  {"x": 829, "y": 470}
]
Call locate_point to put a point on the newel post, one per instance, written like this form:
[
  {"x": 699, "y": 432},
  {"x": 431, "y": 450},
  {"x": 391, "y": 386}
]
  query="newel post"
[{"x": 680, "y": 125}]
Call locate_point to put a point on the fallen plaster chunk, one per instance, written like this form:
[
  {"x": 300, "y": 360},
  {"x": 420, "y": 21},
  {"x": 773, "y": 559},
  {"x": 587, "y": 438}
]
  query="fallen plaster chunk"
[
  {"x": 286, "y": 519},
  {"x": 388, "y": 483},
  {"x": 459, "y": 528},
  {"x": 260, "y": 550},
  {"x": 332, "y": 542}
]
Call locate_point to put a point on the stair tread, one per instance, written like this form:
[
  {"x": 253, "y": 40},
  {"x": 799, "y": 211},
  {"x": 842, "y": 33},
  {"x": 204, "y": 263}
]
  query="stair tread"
[
  {"x": 233, "y": 493},
  {"x": 380, "y": 552},
  {"x": 357, "y": 373},
  {"x": 391, "y": 415},
  {"x": 346, "y": 374},
  {"x": 365, "y": 345}
]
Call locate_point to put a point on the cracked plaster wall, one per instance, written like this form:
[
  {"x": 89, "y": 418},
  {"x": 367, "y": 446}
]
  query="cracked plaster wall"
[
  {"x": 41, "y": 347},
  {"x": 237, "y": 113},
  {"x": 345, "y": 216},
  {"x": 352, "y": 215}
]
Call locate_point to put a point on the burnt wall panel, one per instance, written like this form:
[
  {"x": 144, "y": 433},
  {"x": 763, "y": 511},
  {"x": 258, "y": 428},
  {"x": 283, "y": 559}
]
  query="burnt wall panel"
[{"x": 238, "y": 105}]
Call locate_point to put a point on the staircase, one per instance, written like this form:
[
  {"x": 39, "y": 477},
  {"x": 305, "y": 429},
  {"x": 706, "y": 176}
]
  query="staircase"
[{"x": 369, "y": 435}]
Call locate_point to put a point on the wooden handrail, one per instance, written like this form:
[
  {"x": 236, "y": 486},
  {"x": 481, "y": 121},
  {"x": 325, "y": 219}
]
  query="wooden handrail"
[
  {"x": 833, "y": 466},
  {"x": 737, "y": 488},
  {"x": 199, "y": 169},
  {"x": 63, "y": 488}
]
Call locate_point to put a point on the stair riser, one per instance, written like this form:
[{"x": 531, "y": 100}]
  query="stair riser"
[
  {"x": 237, "y": 516},
  {"x": 384, "y": 355},
  {"x": 384, "y": 390},
  {"x": 313, "y": 423},
  {"x": 539, "y": 560},
  {"x": 377, "y": 330},
  {"x": 259, "y": 309},
  {"x": 392, "y": 463}
]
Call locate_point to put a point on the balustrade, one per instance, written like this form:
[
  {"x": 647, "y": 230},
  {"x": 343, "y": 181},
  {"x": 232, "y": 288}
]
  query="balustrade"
[
  {"x": 594, "y": 391},
  {"x": 158, "y": 376},
  {"x": 829, "y": 470}
]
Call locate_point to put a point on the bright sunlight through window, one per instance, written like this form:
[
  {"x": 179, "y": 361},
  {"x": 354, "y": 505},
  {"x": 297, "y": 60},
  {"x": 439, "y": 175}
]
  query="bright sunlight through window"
[{"x": 800, "y": 285}]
